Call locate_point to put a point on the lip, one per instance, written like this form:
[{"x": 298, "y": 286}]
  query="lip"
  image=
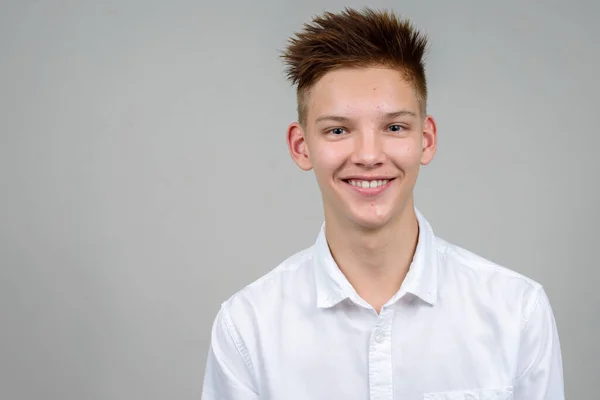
[
  {"x": 369, "y": 192},
  {"x": 368, "y": 178}
]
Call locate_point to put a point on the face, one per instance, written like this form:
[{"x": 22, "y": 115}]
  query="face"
[{"x": 365, "y": 139}]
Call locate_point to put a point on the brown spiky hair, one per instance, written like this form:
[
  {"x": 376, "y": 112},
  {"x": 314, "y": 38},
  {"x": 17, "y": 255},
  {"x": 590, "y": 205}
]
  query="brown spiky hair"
[{"x": 355, "y": 39}]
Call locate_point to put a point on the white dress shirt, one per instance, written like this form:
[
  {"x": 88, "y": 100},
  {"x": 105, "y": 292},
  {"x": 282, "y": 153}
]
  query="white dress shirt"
[{"x": 460, "y": 327}]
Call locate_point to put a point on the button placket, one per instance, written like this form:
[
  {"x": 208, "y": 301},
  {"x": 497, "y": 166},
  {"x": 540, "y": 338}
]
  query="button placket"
[{"x": 380, "y": 357}]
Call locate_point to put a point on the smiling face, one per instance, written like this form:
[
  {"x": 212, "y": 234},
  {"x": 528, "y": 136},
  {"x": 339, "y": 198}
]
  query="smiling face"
[{"x": 365, "y": 139}]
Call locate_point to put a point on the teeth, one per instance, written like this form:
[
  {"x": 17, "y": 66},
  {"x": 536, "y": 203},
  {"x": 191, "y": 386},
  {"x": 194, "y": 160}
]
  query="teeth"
[{"x": 369, "y": 184}]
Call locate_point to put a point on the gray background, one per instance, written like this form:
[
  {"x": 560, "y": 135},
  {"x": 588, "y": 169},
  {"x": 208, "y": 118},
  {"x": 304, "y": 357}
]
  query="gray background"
[{"x": 145, "y": 178}]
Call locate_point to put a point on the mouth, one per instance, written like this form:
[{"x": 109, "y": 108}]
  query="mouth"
[{"x": 368, "y": 188}]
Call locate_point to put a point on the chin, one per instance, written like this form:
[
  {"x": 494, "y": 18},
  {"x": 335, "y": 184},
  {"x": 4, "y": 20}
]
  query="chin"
[{"x": 370, "y": 222}]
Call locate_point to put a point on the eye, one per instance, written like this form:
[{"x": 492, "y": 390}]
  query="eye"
[
  {"x": 337, "y": 131},
  {"x": 396, "y": 128}
]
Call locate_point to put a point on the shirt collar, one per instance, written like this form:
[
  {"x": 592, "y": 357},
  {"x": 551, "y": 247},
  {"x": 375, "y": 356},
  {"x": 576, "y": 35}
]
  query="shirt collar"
[{"x": 421, "y": 280}]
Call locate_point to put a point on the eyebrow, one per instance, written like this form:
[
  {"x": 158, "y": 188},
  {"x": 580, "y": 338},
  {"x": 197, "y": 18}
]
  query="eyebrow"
[{"x": 390, "y": 115}]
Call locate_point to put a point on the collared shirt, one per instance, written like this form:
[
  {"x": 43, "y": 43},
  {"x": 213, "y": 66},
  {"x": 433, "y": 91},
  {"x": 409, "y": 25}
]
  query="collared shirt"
[{"x": 460, "y": 327}]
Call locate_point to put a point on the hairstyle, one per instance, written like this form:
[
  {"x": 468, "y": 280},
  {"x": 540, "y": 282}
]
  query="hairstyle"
[{"x": 355, "y": 39}]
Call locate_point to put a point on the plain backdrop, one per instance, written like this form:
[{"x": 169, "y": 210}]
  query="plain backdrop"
[{"x": 145, "y": 178}]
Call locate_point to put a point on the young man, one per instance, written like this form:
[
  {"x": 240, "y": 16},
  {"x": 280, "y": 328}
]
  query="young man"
[{"x": 379, "y": 307}]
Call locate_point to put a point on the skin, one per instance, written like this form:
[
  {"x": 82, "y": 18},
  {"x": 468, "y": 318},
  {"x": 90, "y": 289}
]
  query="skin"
[{"x": 371, "y": 237}]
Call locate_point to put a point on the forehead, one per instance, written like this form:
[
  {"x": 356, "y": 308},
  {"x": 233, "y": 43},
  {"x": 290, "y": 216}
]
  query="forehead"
[{"x": 361, "y": 92}]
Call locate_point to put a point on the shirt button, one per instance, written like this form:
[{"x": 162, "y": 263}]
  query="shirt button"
[{"x": 379, "y": 337}]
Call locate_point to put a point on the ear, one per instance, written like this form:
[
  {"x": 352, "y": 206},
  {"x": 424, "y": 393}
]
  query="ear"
[
  {"x": 297, "y": 146},
  {"x": 429, "y": 140}
]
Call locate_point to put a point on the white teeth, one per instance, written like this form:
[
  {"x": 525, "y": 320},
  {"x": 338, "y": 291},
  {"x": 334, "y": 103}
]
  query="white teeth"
[{"x": 369, "y": 184}]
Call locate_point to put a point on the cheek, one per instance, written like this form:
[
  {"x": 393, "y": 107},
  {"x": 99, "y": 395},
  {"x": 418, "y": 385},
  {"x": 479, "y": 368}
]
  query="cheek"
[
  {"x": 327, "y": 158},
  {"x": 407, "y": 153}
]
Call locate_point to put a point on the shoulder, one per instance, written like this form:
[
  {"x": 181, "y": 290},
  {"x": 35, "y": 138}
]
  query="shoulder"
[
  {"x": 488, "y": 281},
  {"x": 291, "y": 279},
  {"x": 469, "y": 262}
]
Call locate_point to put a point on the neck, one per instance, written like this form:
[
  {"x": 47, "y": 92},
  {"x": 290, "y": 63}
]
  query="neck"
[{"x": 375, "y": 261}]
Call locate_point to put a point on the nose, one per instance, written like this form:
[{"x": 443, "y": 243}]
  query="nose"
[{"x": 368, "y": 149}]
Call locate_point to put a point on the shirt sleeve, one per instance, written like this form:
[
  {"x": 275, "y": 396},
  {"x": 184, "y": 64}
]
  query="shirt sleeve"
[
  {"x": 540, "y": 369},
  {"x": 229, "y": 373}
]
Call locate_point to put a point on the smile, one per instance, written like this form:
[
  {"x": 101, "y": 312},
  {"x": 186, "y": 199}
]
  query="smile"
[
  {"x": 368, "y": 184},
  {"x": 368, "y": 187}
]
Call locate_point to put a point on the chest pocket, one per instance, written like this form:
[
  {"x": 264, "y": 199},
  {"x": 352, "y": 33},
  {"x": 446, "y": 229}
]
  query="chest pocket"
[{"x": 475, "y": 394}]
